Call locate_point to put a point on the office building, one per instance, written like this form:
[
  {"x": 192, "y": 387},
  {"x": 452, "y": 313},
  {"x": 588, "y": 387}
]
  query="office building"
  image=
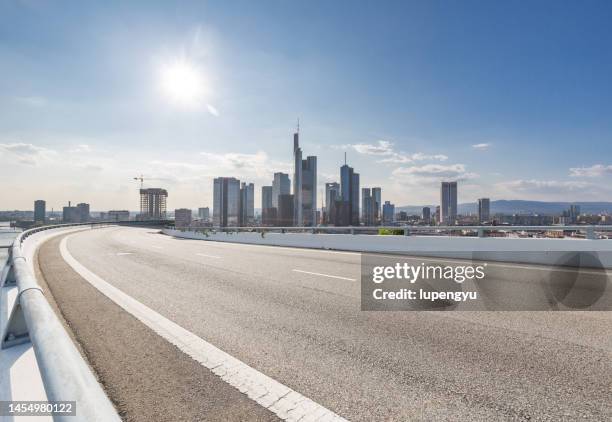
[
  {"x": 484, "y": 210},
  {"x": 388, "y": 213},
  {"x": 369, "y": 207},
  {"x": 332, "y": 194},
  {"x": 182, "y": 218},
  {"x": 281, "y": 185},
  {"x": 39, "y": 211},
  {"x": 349, "y": 191},
  {"x": 247, "y": 204},
  {"x": 204, "y": 213},
  {"x": 153, "y": 203},
  {"x": 285, "y": 211},
  {"x": 118, "y": 215},
  {"x": 426, "y": 215},
  {"x": 226, "y": 202},
  {"x": 304, "y": 185},
  {"x": 574, "y": 213},
  {"x": 448, "y": 203},
  {"x": 268, "y": 210},
  {"x": 83, "y": 212},
  {"x": 70, "y": 214},
  {"x": 377, "y": 195}
]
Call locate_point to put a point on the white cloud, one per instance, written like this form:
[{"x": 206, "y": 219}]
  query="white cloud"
[
  {"x": 32, "y": 101},
  {"x": 481, "y": 147},
  {"x": 26, "y": 153},
  {"x": 432, "y": 173},
  {"x": 596, "y": 170},
  {"x": 386, "y": 149},
  {"x": 81, "y": 148}
]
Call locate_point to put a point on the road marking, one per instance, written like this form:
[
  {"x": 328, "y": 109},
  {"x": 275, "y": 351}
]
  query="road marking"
[
  {"x": 124, "y": 253},
  {"x": 286, "y": 403},
  {"x": 325, "y": 275},
  {"x": 208, "y": 256}
]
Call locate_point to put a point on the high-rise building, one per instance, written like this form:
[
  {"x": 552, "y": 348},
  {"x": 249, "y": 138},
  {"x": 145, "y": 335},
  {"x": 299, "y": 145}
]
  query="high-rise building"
[
  {"x": 377, "y": 195},
  {"x": 388, "y": 213},
  {"x": 153, "y": 203},
  {"x": 70, "y": 214},
  {"x": 483, "y": 210},
  {"x": 83, "y": 212},
  {"x": 285, "y": 210},
  {"x": 39, "y": 211},
  {"x": 281, "y": 185},
  {"x": 204, "y": 213},
  {"x": 369, "y": 207},
  {"x": 267, "y": 208},
  {"x": 332, "y": 194},
  {"x": 574, "y": 213},
  {"x": 448, "y": 203},
  {"x": 349, "y": 190},
  {"x": 226, "y": 202},
  {"x": 118, "y": 215},
  {"x": 247, "y": 204},
  {"x": 304, "y": 185},
  {"x": 426, "y": 215},
  {"x": 182, "y": 217}
]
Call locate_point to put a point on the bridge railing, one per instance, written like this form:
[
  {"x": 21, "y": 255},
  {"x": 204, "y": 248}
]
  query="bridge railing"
[
  {"x": 588, "y": 231},
  {"x": 65, "y": 374}
]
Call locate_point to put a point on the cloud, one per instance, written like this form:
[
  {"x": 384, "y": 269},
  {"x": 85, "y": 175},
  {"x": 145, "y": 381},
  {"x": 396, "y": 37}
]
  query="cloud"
[
  {"x": 543, "y": 186},
  {"x": 212, "y": 110},
  {"x": 32, "y": 101},
  {"x": 432, "y": 173},
  {"x": 27, "y": 153},
  {"x": 81, "y": 148},
  {"x": 481, "y": 147},
  {"x": 385, "y": 149},
  {"x": 596, "y": 170}
]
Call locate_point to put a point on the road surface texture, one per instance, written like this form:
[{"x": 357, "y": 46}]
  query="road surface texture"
[{"x": 294, "y": 315}]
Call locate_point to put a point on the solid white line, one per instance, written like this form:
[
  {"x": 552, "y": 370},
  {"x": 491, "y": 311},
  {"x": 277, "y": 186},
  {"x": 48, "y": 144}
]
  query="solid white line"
[
  {"x": 124, "y": 253},
  {"x": 325, "y": 275},
  {"x": 208, "y": 256},
  {"x": 286, "y": 403}
]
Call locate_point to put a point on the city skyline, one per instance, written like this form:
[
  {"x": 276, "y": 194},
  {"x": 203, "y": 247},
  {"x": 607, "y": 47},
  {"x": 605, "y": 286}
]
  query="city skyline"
[{"x": 420, "y": 94}]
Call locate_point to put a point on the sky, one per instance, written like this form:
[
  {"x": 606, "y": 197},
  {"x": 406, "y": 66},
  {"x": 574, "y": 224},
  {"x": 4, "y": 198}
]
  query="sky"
[{"x": 511, "y": 98}]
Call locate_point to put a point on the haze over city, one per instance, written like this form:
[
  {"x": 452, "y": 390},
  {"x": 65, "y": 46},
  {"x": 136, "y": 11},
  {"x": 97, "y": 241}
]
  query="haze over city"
[{"x": 414, "y": 93}]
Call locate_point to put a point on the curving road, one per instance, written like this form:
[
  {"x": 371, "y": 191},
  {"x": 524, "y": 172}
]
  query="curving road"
[{"x": 294, "y": 315}]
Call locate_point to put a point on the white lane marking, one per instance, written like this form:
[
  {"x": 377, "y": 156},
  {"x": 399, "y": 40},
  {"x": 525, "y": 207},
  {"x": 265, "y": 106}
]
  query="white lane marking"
[
  {"x": 286, "y": 403},
  {"x": 324, "y": 275},
  {"x": 208, "y": 256},
  {"x": 124, "y": 253}
]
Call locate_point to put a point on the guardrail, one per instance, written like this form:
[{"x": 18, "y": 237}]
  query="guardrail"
[
  {"x": 65, "y": 374},
  {"x": 480, "y": 231}
]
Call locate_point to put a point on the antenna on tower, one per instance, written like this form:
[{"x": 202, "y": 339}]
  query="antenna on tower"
[
  {"x": 345, "y": 158},
  {"x": 298, "y": 125}
]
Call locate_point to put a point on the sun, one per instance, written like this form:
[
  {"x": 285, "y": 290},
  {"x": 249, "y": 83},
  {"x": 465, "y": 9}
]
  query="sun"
[{"x": 183, "y": 83}]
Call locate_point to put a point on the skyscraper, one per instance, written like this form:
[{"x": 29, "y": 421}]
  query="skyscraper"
[
  {"x": 285, "y": 210},
  {"x": 388, "y": 213},
  {"x": 281, "y": 185},
  {"x": 369, "y": 207},
  {"x": 153, "y": 203},
  {"x": 483, "y": 210},
  {"x": 267, "y": 208},
  {"x": 304, "y": 185},
  {"x": 426, "y": 215},
  {"x": 83, "y": 212},
  {"x": 349, "y": 189},
  {"x": 332, "y": 194},
  {"x": 377, "y": 194},
  {"x": 448, "y": 203},
  {"x": 182, "y": 217},
  {"x": 226, "y": 202},
  {"x": 247, "y": 204},
  {"x": 39, "y": 211},
  {"x": 204, "y": 213}
]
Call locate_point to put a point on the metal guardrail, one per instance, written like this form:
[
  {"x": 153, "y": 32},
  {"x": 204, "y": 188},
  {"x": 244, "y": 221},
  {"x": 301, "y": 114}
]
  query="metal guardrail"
[
  {"x": 481, "y": 231},
  {"x": 65, "y": 374}
]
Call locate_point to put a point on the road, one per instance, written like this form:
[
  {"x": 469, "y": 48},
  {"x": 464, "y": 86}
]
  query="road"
[{"x": 294, "y": 315}]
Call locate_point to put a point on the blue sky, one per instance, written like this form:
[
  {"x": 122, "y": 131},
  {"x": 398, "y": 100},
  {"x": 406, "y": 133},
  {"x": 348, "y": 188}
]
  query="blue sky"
[{"x": 513, "y": 98}]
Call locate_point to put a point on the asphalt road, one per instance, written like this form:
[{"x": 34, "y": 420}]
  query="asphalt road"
[{"x": 294, "y": 315}]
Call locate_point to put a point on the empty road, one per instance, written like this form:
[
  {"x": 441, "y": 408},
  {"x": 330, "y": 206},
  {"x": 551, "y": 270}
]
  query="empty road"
[{"x": 294, "y": 315}]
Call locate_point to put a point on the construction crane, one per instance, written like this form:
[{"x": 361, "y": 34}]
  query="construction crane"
[{"x": 141, "y": 178}]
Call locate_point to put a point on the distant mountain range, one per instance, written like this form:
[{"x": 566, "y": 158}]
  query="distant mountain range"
[{"x": 519, "y": 207}]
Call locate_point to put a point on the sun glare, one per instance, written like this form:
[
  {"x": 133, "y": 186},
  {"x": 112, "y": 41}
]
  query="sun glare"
[{"x": 182, "y": 83}]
